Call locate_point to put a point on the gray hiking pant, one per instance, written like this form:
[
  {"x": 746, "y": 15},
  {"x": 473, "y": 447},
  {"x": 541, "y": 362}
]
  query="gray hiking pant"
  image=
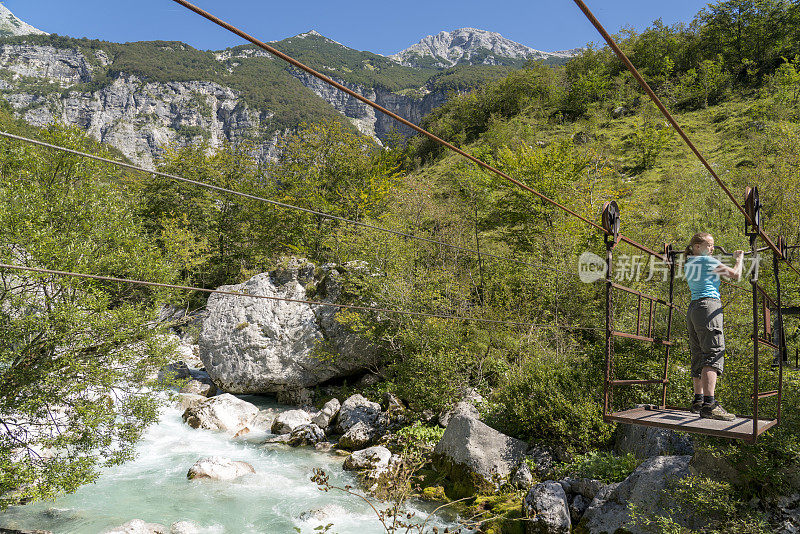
[{"x": 706, "y": 340}]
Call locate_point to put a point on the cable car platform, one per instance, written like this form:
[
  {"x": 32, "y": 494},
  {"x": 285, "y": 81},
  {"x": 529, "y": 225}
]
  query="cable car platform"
[{"x": 686, "y": 421}]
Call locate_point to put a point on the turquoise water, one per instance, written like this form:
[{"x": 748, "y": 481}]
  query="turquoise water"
[{"x": 154, "y": 488}]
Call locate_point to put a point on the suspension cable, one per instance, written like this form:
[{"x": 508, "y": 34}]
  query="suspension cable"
[
  {"x": 277, "y": 203},
  {"x": 286, "y": 299},
  {"x": 418, "y": 129},
  {"x": 657, "y": 101}
]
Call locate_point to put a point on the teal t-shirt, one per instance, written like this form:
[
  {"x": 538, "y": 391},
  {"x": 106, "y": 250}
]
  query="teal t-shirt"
[{"x": 703, "y": 281}]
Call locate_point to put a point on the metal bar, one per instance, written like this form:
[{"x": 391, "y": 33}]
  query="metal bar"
[
  {"x": 636, "y": 382},
  {"x": 641, "y": 247},
  {"x": 669, "y": 328},
  {"x": 641, "y": 338},
  {"x": 767, "y": 319},
  {"x": 639, "y": 316},
  {"x": 276, "y": 203},
  {"x": 398, "y": 118},
  {"x": 627, "y": 62},
  {"x": 283, "y": 299},
  {"x": 765, "y": 394},
  {"x": 767, "y": 342},
  {"x": 765, "y": 294},
  {"x": 650, "y": 323},
  {"x": 610, "y": 244},
  {"x": 640, "y": 294},
  {"x": 755, "y": 343},
  {"x": 781, "y": 335}
]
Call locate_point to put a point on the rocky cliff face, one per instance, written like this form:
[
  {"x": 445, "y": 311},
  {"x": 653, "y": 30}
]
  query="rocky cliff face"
[
  {"x": 139, "y": 118},
  {"x": 142, "y": 118},
  {"x": 471, "y": 46},
  {"x": 366, "y": 118}
]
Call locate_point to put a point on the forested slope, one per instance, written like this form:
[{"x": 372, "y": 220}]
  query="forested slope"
[{"x": 582, "y": 135}]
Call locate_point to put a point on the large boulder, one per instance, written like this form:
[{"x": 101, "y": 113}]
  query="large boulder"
[
  {"x": 327, "y": 414},
  {"x": 206, "y": 388},
  {"x": 268, "y": 346},
  {"x": 224, "y": 413},
  {"x": 219, "y": 468},
  {"x": 645, "y": 489},
  {"x": 358, "y": 436},
  {"x": 185, "y": 401},
  {"x": 462, "y": 408},
  {"x": 287, "y": 421},
  {"x": 473, "y": 455},
  {"x": 357, "y": 409},
  {"x": 371, "y": 458},
  {"x": 647, "y": 441},
  {"x": 547, "y": 510},
  {"x": 309, "y": 434}
]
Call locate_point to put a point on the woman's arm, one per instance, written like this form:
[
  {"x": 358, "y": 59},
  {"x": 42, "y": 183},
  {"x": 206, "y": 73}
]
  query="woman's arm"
[{"x": 734, "y": 273}]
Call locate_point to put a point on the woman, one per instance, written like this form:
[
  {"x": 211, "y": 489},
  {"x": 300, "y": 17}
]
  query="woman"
[{"x": 704, "y": 319}]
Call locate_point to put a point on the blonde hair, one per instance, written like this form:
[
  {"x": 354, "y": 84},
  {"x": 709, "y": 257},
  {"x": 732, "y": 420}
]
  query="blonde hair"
[{"x": 698, "y": 238}]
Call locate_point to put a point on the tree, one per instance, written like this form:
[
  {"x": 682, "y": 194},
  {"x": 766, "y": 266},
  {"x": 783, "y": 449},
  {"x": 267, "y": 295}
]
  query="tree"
[
  {"x": 331, "y": 168},
  {"x": 76, "y": 355},
  {"x": 219, "y": 237}
]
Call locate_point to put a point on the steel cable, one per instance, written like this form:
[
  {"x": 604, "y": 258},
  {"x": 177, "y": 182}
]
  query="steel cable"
[
  {"x": 657, "y": 101},
  {"x": 277, "y": 203},
  {"x": 286, "y": 299},
  {"x": 418, "y": 129}
]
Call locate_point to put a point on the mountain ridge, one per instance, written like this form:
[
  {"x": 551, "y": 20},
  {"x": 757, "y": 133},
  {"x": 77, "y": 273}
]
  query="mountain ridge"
[
  {"x": 472, "y": 46},
  {"x": 10, "y": 24}
]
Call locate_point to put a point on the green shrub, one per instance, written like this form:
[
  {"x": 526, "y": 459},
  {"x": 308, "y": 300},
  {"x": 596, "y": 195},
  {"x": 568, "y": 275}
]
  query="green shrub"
[
  {"x": 599, "y": 465},
  {"x": 552, "y": 400},
  {"x": 417, "y": 438}
]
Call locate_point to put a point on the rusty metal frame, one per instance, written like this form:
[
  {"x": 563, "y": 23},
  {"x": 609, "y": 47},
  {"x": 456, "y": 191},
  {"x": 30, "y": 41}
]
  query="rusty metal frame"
[{"x": 746, "y": 428}]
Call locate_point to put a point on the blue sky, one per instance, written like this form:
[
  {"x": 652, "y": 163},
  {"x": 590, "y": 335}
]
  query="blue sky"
[{"x": 381, "y": 27}]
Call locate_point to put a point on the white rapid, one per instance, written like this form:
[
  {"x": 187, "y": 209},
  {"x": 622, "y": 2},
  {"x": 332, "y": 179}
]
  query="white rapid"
[{"x": 154, "y": 488}]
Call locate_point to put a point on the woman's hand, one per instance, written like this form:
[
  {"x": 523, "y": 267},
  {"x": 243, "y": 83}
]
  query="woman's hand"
[{"x": 734, "y": 273}]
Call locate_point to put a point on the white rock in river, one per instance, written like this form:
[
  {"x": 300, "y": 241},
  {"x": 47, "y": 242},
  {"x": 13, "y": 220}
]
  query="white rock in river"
[
  {"x": 184, "y": 527},
  {"x": 357, "y": 409},
  {"x": 358, "y": 436},
  {"x": 137, "y": 526},
  {"x": 371, "y": 458},
  {"x": 286, "y": 422},
  {"x": 327, "y": 414},
  {"x": 547, "y": 508},
  {"x": 251, "y": 345},
  {"x": 219, "y": 468},
  {"x": 224, "y": 413}
]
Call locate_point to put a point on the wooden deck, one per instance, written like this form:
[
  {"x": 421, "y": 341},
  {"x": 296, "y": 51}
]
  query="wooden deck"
[{"x": 686, "y": 421}]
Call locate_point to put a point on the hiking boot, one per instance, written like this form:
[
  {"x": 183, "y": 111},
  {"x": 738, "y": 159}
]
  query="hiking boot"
[
  {"x": 715, "y": 411},
  {"x": 696, "y": 406}
]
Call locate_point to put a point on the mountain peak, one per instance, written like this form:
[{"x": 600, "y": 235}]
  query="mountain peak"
[
  {"x": 472, "y": 46},
  {"x": 11, "y": 25}
]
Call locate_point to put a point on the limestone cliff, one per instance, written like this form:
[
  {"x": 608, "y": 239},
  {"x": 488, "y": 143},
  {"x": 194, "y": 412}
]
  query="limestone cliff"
[
  {"x": 368, "y": 120},
  {"x": 141, "y": 118}
]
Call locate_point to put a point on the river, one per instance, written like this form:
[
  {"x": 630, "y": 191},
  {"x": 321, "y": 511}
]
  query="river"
[{"x": 153, "y": 487}]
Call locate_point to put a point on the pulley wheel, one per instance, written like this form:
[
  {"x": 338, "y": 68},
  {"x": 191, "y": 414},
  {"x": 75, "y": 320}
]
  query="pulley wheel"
[
  {"x": 611, "y": 218},
  {"x": 669, "y": 253},
  {"x": 752, "y": 206},
  {"x": 783, "y": 247}
]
